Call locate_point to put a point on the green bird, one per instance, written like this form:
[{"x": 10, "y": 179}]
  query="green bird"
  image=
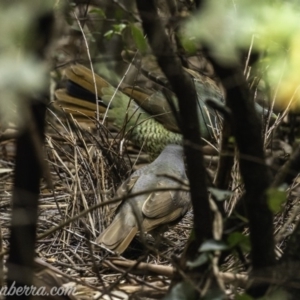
[
  {"x": 145, "y": 116},
  {"x": 153, "y": 210}
]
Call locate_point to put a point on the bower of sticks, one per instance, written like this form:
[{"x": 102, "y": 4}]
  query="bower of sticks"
[
  {"x": 87, "y": 165},
  {"x": 86, "y": 169}
]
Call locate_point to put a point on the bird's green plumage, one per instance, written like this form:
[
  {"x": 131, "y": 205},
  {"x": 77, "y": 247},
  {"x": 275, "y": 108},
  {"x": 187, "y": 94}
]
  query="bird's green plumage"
[
  {"x": 146, "y": 116},
  {"x": 142, "y": 128}
]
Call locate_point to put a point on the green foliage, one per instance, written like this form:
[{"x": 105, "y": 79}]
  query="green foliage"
[
  {"x": 138, "y": 38},
  {"x": 109, "y": 34},
  {"x": 219, "y": 195},
  {"x": 276, "y": 197},
  {"x": 135, "y": 31},
  {"x": 231, "y": 140},
  {"x": 199, "y": 261},
  {"x": 205, "y": 249},
  {"x": 227, "y": 28},
  {"x": 272, "y": 27},
  {"x": 182, "y": 291},
  {"x": 116, "y": 29},
  {"x": 243, "y": 297},
  {"x": 20, "y": 72},
  {"x": 185, "y": 291},
  {"x": 99, "y": 12},
  {"x": 189, "y": 44},
  {"x": 213, "y": 245},
  {"x": 239, "y": 239}
]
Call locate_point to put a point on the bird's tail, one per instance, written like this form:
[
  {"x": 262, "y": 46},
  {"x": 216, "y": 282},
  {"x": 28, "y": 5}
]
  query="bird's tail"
[
  {"x": 118, "y": 235},
  {"x": 84, "y": 89}
]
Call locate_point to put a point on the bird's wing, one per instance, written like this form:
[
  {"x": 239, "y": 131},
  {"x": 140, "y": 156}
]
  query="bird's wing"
[
  {"x": 155, "y": 104},
  {"x": 126, "y": 187},
  {"x": 119, "y": 107},
  {"x": 122, "y": 191},
  {"x": 164, "y": 207},
  {"x": 162, "y": 203},
  {"x": 150, "y": 224}
]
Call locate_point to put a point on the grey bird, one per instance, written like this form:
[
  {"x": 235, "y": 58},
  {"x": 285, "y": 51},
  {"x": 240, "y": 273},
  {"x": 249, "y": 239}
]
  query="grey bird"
[{"x": 152, "y": 210}]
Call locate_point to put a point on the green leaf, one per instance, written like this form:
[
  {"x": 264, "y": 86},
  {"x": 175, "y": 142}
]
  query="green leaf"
[
  {"x": 276, "y": 197},
  {"x": 118, "y": 28},
  {"x": 241, "y": 217},
  {"x": 98, "y": 11},
  {"x": 138, "y": 38},
  {"x": 199, "y": 261},
  {"x": 239, "y": 239},
  {"x": 213, "y": 245},
  {"x": 220, "y": 195},
  {"x": 182, "y": 291},
  {"x": 189, "y": 44},
  {"x": 75, "y": 27},
  {"x": 109, "y": 34},
  {"x": 231, "y": 140}
]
